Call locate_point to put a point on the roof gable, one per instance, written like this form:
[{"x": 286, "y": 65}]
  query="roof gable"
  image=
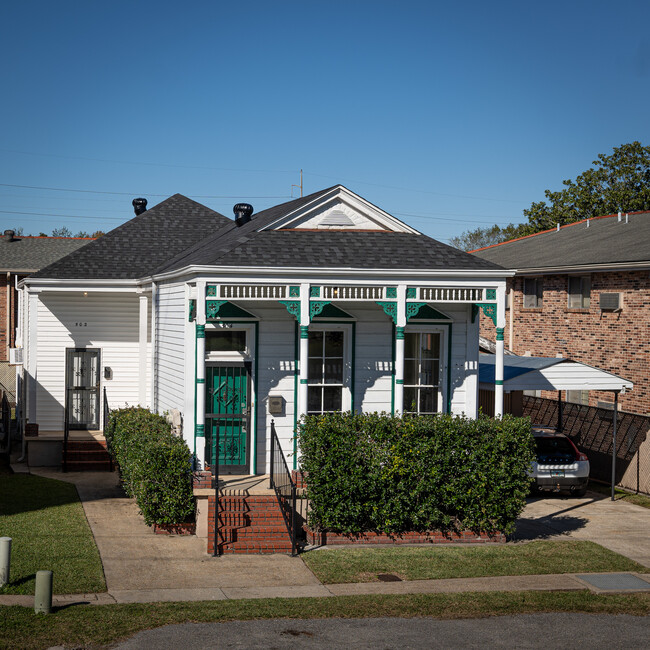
[{"x": 338, "y": 209}]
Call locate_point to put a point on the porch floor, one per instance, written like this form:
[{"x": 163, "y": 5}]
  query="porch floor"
[
  {"x": 250, "y": 485},
  {"x": 75, "y": 434}
]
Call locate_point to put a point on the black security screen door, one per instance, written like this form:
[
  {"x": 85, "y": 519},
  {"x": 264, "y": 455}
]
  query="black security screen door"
[{"x": 82, "y": 388}]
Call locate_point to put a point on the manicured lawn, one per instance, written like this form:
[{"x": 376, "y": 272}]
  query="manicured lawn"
[
  {"x": 642, "y": 500},
  {"x": 89, "y": 625},
  {"x": 339, "y": 565},
  {"x": 49, "y": 530}
]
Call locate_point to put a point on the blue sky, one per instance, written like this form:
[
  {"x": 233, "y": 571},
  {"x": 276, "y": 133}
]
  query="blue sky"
[{"x": 448, "y": 115}]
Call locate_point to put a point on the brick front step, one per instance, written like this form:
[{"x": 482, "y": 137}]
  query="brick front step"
[
  {"x": 88, "y": 466},
  {"x": 248, "y": 524},
  {"x": 87, "y": 456},
  {"x": 322, "y": 538}
]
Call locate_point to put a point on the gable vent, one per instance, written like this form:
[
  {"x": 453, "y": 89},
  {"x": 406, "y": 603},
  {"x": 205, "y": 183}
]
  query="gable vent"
[
  {"x": 336, "y": 218},
  {"x": 610, "y": 301}
]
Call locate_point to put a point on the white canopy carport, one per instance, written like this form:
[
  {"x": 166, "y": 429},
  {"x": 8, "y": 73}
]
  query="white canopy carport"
[
  {"x": 547, "y": 373},
  {"x": 544, "y": 373}
]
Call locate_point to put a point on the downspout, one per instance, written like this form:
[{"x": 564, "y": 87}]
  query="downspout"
[
  {"x": 511, "y": 324},
  {"x": 614, "y": 442}
]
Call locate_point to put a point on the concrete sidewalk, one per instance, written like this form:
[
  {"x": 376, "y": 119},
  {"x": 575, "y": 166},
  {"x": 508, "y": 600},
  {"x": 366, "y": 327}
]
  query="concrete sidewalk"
[{"x": 140, "y": 566}]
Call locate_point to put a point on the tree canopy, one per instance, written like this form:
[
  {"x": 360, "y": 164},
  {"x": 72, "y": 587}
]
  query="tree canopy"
[{"x": 618, "y": 182}]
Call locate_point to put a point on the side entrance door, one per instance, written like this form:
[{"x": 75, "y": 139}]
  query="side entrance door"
[
  {"x": 82, "y": 387},
  {"x": 227, "y": 418}
]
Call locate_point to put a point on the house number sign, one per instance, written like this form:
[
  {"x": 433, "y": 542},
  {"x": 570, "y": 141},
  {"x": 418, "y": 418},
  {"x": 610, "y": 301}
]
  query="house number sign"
[{"x": 81, "y": 324}]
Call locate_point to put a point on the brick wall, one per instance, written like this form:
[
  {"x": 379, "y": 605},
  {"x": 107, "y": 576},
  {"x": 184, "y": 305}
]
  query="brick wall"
[
  {"x": 618, "y": 342},
  {"x": 4, "y": 335}
]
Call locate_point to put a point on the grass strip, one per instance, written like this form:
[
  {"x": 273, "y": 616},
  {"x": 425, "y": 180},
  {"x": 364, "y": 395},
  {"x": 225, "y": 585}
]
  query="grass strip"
[
  {"x": 92, "y": 626},
  {"x": 341, "y": 565},
  {"x": 642, "y": 500},
  {"x": 47, "y": 524}
]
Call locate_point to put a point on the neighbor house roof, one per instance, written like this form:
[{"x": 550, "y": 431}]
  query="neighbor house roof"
[
  {"x": 29, "y": 254},
  {"x": 178, "y": 233},
  {"x": 599, "y": 242}
]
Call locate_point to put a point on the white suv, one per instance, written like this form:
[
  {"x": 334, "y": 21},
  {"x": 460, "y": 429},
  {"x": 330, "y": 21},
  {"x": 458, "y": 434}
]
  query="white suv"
[{"x": 559, "y": 465}]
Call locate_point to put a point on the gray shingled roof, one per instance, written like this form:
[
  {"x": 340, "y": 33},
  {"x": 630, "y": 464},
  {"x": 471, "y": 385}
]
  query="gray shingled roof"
[
  {"x": 605, "y": 241},
  {"x": 134, "y": 249},
  {"x": 179, "y": 232},
  {"x": 29, "y": 254}
]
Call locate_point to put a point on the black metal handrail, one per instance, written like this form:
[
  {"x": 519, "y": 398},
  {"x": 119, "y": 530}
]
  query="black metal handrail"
[
  {"x": 285, "y": 489},
  {"x": 66, "y": 433}
]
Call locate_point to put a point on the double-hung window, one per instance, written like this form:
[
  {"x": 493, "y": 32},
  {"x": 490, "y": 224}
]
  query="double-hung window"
[
  {"x": 579, "y": 292},
  {"x": 327, "y": 375},
  {"x": 422, "y": 372},
  {"x": 533, "y": 293}
]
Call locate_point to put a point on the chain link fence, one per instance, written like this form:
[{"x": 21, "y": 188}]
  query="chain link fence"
[{"x": 591, "y": 428}]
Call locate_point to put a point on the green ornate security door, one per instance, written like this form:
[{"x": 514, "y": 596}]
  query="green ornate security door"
[{"x": 227, "y": 418}]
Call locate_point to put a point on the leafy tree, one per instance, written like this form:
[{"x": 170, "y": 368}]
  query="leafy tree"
[
  {"x": 618, "y": 182},
  {"x": 18, "y": 231},
  {"x": 82, "y": 233},
  {"x": 472, "y": 239},
  {"x": 62, "y": 232},
  {"x": 98, "y": 233},
  {"x": 43, "y": 234}
]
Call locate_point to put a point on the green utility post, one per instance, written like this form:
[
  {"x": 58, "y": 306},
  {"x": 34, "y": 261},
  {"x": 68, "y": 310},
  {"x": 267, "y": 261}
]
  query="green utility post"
[
  {"x": 43, "y": 592},
  {"x": 5, "y": 560}
]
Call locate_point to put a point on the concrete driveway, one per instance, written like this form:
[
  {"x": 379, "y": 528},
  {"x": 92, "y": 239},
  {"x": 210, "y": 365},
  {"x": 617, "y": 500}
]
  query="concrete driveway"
[{"x": 619, "y": 526}]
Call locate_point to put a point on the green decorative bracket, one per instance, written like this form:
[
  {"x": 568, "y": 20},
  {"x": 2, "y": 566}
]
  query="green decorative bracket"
[
  {"x": 411, "y": 293},
  {"x": 412, "y": 309},
  {"x": 390, "y": 309},
  {"x": 293, "y": 307},
  {"x": 294, "y": 292},
  {"x": 200, "y": 331},
  {"x": 391, "y": 292},
  {"x": 490, "y": 294},
  {"x": 489, "y": 309},
  {"x": 211, "y": 290},
  {"x": 212, "y": 308},
  {"x": 192, "y": 310},
  {"x": 314, "y": 292},
  {"x": 475, "y": 311},
  {"x": 316, "y": 307}
]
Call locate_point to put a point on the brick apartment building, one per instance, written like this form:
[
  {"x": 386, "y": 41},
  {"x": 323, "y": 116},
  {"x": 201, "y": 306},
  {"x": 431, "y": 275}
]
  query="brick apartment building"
[
  {"x": 19, "y": 257},
  {"x": 583, "y": 291}
]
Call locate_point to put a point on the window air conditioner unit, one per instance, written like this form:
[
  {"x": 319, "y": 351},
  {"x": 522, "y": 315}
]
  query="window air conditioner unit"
[
  {"x": 15, "y": 356},
  {"x": 610, "y": 301}
]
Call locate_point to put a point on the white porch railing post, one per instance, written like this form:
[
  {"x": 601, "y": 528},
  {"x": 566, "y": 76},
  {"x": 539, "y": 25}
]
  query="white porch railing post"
[
  {"x": 199, "y": 427},
  {"x": 399, "y": 348},
  {"x": 498, "y": 365},
  {"x": 143, "y": 331},
  {"x": 303, "y": 351}
]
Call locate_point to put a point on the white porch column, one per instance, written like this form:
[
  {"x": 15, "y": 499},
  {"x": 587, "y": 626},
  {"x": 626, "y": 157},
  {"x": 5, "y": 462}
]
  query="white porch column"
[
  {"x": 399, "y": 348},
  {"x": 199, "y": 427},
  {"x": 303, "y": 351},
  {"x": 32, "y": 341},
  {"x": 498, "y": 362},
  {"x": 143, "y": 330}
]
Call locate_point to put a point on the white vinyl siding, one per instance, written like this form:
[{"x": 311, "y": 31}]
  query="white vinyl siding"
[
  {"x": 171, "y": 320},
  {"x": 108, "y": 321}
]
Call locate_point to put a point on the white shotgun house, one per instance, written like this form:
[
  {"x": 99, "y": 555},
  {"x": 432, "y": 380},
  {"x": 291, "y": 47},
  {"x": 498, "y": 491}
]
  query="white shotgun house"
[{"x": 324, "y": 303}]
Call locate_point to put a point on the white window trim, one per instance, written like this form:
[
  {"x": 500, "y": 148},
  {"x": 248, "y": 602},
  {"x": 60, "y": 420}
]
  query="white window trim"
[
  {"x": 444, "y": 361},
  {"x": 248, "y": 355},
  {"x": 346, "y": 328}
]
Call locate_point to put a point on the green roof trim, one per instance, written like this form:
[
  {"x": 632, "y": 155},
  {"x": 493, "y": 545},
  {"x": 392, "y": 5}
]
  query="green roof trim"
[
  {"x": 332, "y": 311},
  {"x": 429, "y": 313}
]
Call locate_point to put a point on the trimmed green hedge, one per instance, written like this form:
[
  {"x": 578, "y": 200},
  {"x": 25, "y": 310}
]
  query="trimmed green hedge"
[
  {"x": 375, "y": 472},
  {"x": 155, "y": 465}
]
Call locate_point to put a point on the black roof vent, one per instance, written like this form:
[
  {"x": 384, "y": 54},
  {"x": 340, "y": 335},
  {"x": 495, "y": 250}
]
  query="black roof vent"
[
  {"x": 243, "y": 213},
  {"x": 139, "y": 206},
  {"x": 9, "y": 235}
]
